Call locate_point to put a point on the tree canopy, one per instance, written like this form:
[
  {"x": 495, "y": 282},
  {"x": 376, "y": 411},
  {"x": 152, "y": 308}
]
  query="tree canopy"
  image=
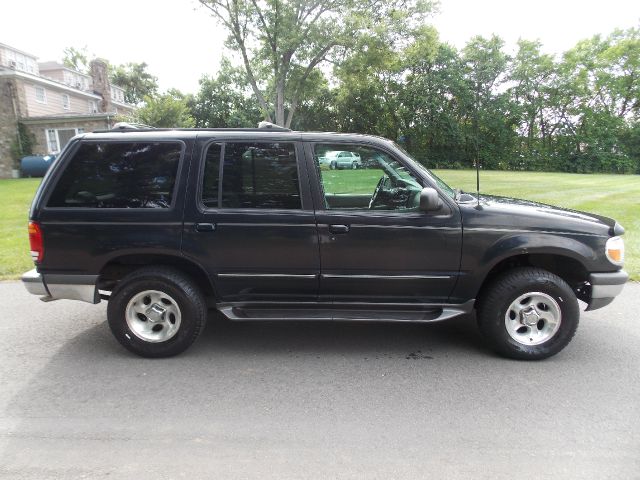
[
  {"x": 76, "y": 58},
  {"x": 524, "y": 110},
  {"x": 167, "y": 110},
  {"x": 137, "y": 82},
  {"x": 282, "y": 42}
]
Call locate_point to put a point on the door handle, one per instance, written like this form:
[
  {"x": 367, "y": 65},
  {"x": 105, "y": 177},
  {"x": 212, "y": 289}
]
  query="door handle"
[
  {"x": 205, "y": 227},
  {"x": 339, "y": 228}
]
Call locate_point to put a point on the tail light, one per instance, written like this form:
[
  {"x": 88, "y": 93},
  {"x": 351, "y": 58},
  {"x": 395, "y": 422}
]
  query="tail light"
[{"x": 35, "y": 240}]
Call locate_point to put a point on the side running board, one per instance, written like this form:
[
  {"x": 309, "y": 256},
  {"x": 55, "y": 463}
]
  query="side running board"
[{"x": 248, "y": 311}]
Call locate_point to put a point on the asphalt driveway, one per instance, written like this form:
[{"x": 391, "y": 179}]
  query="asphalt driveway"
[{"x": 314, "y": 400}]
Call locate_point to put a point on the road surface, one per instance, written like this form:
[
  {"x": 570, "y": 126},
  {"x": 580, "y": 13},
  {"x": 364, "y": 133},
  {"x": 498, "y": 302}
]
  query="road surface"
[{"x": 314, "y": 400}]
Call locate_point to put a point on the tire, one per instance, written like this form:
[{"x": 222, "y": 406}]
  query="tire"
[
  {"x": 332, "y": 165},
  {"x": 354, "y": 166},
  {"x": 156, "y": 312},
  {"x": 528, "y": 314}
]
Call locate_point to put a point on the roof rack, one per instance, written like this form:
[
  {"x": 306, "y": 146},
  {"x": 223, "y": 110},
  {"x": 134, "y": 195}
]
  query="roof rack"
[
  {"x": 131, "y": 126},
  {"x": 272, "y": 126},
  {"x": 140, "y": 127}
]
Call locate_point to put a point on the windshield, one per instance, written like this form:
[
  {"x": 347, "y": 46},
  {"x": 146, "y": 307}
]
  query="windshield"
[{"x": 441, "y": 183}]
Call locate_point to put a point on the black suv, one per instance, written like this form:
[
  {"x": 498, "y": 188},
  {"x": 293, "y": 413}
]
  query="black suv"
[{"x": 167, "y": 223}]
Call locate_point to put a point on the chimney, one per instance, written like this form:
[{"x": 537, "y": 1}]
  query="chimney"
[{"x": 101, "y": 85}]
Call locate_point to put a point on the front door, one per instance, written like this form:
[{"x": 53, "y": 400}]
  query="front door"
[
  {"x": 250, "y": 224},
  {"x": 376, "y": 245}
]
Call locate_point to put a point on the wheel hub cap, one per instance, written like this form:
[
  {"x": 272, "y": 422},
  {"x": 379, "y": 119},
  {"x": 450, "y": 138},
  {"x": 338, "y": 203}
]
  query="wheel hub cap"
[
  {"x": 529, "y": 317},
  {"x": 533, "y": 318},
  {"x": 153, "y": 316},
  {"x": 155, "y": 313}
]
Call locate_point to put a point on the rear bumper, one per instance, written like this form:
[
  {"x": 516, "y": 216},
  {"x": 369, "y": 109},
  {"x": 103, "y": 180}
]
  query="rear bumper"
[
  {"x": 34, "y": 284},
  {"x": 605, "y": 287},
  {"x": 57, "y": 287}
]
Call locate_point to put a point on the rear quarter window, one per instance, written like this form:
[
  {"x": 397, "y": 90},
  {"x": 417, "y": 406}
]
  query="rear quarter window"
[{"x": 119, "y": 175}]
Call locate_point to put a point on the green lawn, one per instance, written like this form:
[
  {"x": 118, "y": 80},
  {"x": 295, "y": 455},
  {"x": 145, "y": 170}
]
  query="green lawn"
[
  {"x": 616, "y": 196},
  {"x": 15, "y": 200}
]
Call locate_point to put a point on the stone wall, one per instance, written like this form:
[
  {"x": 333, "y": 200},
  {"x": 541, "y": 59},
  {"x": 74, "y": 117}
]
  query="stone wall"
[{"x": 12, "y": 104}]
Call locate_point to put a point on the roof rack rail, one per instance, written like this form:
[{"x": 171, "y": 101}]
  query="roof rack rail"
[
  {"x": 272, "y": 126},
  {"x": 131, "y": 126}
]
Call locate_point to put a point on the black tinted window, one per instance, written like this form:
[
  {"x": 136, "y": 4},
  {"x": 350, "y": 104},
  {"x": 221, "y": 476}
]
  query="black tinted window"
[
  {"x": 119, "y": 175},
  {"x": 210, "y": 189},
  {"x": 254, "y": 175}
]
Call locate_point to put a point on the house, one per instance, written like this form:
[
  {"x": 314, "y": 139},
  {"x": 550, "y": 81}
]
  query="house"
[{"x": 52, "y": 103}]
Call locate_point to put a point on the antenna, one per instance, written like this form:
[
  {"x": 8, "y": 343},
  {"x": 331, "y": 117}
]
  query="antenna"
[
  {"x": 477, "y": 177},
  {"x": 475, "y": 121}
]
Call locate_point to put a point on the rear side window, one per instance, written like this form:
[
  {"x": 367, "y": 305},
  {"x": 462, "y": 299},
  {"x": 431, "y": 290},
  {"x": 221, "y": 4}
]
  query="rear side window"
[
  {"x": 119, "y": 175},
  {"x": 254, "y": 175}
]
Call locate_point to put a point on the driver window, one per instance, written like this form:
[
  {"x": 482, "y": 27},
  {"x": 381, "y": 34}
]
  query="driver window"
[{"x": 356, "y": 177}]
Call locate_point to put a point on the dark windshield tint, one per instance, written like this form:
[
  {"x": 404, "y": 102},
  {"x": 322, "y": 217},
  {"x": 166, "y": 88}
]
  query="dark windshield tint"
[{"x": 119, "y": 175}]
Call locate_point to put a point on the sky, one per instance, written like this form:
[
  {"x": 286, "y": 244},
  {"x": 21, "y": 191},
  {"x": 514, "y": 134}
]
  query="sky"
[{"x": 181, "y": 42}]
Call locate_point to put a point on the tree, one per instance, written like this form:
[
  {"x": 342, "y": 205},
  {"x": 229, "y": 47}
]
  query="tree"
[
  {"x": 136, "y": 81},
  {"x": 281, "y": 42},
  {"x": 77, "y": 59},
  {"x": 601, "y": 86},
  {"x": 531, "y": 74},
  {"x": 168, "y": 110},
  {"x": 438, "y": 101},
  {"x": 370, "y": 82},
  {"x": 225, "y": 100},
  {"x": 491, "y": 129}
]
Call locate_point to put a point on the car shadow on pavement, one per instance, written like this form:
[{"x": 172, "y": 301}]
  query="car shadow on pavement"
[
  {"x": 350, "y": 339},
  {"x": 87, "y": 364}
]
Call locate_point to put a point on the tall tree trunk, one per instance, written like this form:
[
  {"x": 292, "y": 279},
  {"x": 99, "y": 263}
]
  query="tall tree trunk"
[{"x": 280, "y": 120}]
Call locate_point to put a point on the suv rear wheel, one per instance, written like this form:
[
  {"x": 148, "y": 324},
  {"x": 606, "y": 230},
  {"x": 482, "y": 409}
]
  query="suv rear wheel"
[
  {"x": 156, "y": 312},
  {"x": 528, "y": 314}
]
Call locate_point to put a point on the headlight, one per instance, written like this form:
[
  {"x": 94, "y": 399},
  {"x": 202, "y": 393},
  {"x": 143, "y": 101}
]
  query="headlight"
[{"x": 614, "y": 249}]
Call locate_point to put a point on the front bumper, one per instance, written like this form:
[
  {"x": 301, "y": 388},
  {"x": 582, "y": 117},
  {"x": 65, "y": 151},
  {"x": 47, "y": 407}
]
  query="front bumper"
[
  {"x": 56, "y": 287},
  {"x": 605, "y": 287}
]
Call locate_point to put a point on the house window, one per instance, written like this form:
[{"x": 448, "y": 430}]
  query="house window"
[
  {"x": 31, "y": 65},
  {"x": 66, "y": 103},
  {"x": 52, "y": 141},
  {"x": 41, "y": 94},
  {"x": 93, "y": 106},
  {"x": 57, "y": 138}
]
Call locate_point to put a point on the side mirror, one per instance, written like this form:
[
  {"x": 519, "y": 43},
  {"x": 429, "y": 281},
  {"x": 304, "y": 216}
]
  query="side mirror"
[{"x": 430, "y": 200}]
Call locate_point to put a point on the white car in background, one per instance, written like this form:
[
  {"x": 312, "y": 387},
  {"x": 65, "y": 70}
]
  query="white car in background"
[{"x": 341, "y": 160}]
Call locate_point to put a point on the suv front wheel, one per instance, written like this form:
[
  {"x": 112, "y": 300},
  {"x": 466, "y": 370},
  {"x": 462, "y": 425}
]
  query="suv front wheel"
[
  {"x": 156, "y": 312},
  {"x": 528, "y": 314}
]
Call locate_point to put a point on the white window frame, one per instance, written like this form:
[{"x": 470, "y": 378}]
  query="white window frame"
[
  {"x": 53, "y": 143},
  {"x": 53, "y": 138},
  {"x": 44, "y": 94},
  {"x": 93, "y": 106},
  {"x": 31, "y": 65},
  {"x": 66, "y": 101}
]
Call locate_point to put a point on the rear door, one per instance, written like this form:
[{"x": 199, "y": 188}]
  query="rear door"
[{"x": 249, "y": 219}]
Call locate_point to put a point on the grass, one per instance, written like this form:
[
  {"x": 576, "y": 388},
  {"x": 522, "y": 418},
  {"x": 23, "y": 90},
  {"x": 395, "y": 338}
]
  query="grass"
[
  {"x": 616, "y": 196},
  {"x": 16, "y": 196}
]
